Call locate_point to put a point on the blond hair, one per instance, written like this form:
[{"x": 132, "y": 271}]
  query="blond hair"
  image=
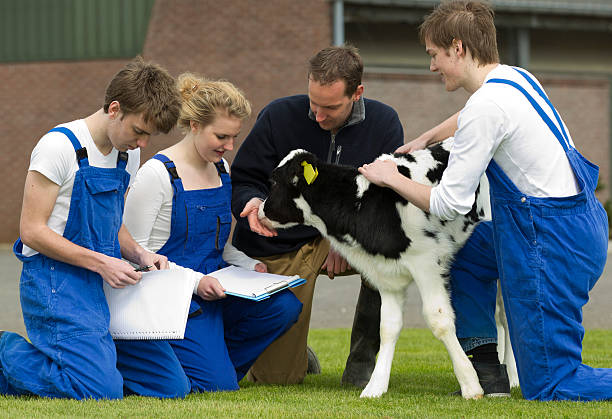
[
  {"x": 147, "y": 88},
  {"x": 204, "y": 99}
]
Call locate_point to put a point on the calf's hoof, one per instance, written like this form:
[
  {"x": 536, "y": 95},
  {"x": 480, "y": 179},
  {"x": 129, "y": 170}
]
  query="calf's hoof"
[
  {"x": 357, "y": 374},
  {"x": 513, "y": 377},
  {"x": 472, "y": 396},
  {"x": 493, "y": 379},
  {"x": 373, "y": 390}
]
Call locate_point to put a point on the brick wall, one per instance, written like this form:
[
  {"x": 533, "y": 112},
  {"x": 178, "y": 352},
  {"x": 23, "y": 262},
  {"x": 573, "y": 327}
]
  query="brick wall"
[
  {"x": 585, "y": 108},
  {"x": 262, "y": 47},
  {"x": 36, "y": 97}
]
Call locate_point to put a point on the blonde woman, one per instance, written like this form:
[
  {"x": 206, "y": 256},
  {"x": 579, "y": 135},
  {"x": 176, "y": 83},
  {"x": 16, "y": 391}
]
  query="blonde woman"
[{"x": 179, "y": 206}]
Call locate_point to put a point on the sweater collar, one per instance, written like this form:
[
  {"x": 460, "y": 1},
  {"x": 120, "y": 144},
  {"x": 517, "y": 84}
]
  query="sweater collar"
[{"x": 357, "y": 114}]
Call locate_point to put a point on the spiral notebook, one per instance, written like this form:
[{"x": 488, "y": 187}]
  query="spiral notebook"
[{"x": 154, "y": 308}]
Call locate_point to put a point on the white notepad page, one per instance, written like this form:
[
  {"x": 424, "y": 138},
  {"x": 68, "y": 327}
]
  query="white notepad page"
[{"x": 154, "y": 308}]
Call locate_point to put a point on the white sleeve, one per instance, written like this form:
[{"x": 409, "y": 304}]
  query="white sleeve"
[
  {"x": 54, "y": 157},
  {"x": 148, "y": 193},
  {"x": 237, "y": 257},
  {"x": 481, "y": 129},
  {"x": 195, "y": 275},
  {"x": 133, "y": 164}
]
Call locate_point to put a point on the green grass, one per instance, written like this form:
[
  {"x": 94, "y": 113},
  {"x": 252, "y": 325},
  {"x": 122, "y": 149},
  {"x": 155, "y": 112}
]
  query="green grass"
[{"x": 421, "y": 380}]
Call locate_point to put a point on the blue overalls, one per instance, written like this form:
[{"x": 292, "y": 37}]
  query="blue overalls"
[
  {"x": 473, "y": 285},
  {"x": 549, "y": 253},
  {"x": 72, "y": 354},
  {"x": 223, "y": 338}
]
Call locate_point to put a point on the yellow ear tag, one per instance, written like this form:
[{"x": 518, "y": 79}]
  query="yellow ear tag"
[{"x": 310, "y": 174}]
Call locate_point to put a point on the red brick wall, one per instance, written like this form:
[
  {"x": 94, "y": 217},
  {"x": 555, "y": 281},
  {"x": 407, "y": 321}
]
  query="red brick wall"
[
  {"x": 260, "y": 46},
  {"x": 34, "y": 98},
  {"x": 585, "y": 108}
]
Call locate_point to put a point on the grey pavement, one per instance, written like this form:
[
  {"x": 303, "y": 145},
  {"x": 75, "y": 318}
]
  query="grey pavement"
[{"x": 333, "y": 306}]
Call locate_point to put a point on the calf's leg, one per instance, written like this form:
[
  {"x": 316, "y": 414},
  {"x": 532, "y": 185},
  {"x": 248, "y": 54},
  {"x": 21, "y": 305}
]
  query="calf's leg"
[
  {"x": 390, "y": 328},
  {"x": 503, "y": 339},
  {"x": 440, "y": 318}
]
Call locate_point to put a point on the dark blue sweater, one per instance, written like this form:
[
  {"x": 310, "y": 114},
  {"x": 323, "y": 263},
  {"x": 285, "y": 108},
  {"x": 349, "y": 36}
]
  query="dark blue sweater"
[{"x": 284, "y": 125}]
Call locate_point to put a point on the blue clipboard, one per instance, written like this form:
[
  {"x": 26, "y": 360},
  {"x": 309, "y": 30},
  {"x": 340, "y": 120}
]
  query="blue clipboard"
[{"x": 253, "y": 285}]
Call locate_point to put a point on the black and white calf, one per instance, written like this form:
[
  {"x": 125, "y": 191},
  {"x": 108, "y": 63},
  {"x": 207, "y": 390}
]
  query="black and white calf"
[{"x": 389, "y": 241}]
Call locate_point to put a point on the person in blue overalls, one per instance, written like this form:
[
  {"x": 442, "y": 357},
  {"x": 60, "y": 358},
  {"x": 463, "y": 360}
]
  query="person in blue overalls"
[
  {"x": 179, "y": 206},
  {"x": 72, "y": 239},
  {"x": 548, "y": 230}
]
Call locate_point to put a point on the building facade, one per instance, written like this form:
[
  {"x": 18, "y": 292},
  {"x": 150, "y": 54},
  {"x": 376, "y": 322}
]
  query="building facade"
[{"x": 263, "y": 47}]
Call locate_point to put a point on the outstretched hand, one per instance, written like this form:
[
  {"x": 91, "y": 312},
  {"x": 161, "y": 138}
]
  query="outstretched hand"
[{"x": 251, "y": 212}]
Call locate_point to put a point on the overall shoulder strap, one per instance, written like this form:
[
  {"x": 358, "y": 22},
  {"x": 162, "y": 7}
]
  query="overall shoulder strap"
[
  {"x": 81, "y": 152},
  {"x": 122, "y": 159},
  {"x": 223, "y": 174},
  {"x": 543, "y": 95},
  {"x": 538, "y": 108},
  {"x": 175, "y": 180},
  {"x": 221, "y": 168}
]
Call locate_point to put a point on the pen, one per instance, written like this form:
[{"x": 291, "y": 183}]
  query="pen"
[{"x": 143, "y": 268}]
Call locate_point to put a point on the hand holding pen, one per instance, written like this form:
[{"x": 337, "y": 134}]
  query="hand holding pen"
[{"x": 149, "y": 261}]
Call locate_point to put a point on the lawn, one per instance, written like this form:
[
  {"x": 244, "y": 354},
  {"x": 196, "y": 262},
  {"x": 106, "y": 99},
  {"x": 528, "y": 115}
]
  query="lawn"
[{"x": 420, "y": 383}]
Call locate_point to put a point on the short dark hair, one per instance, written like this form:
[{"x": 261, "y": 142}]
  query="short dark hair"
[
  {"x": 337, "y": 63},
  {"x": 468, "y": 21},
  {"x": 147, "y": 88}
]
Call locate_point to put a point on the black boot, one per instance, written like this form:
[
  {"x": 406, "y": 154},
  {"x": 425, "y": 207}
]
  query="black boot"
[
  {"x": 365, "y": 338},
  {"x": 493, "y": 379}
]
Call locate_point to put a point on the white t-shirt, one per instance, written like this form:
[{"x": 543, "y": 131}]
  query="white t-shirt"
[
  {"x": 148, "y": 215},
  {"x": 499, "y": 123},
  {"x": 54, "y": 157}
]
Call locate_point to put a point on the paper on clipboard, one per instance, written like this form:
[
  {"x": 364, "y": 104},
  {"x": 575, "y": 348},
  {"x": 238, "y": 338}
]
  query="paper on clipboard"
[
  {"x": 154, "y": 308},
  {"x": 253, "y": 285}
]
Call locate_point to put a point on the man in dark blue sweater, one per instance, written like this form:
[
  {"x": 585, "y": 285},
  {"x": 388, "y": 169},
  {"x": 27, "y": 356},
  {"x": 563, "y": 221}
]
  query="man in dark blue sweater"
[{"x": 337, "y": 124}]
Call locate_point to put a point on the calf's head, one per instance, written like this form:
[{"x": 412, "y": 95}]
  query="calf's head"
[{"x": 298, "y": 170}]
